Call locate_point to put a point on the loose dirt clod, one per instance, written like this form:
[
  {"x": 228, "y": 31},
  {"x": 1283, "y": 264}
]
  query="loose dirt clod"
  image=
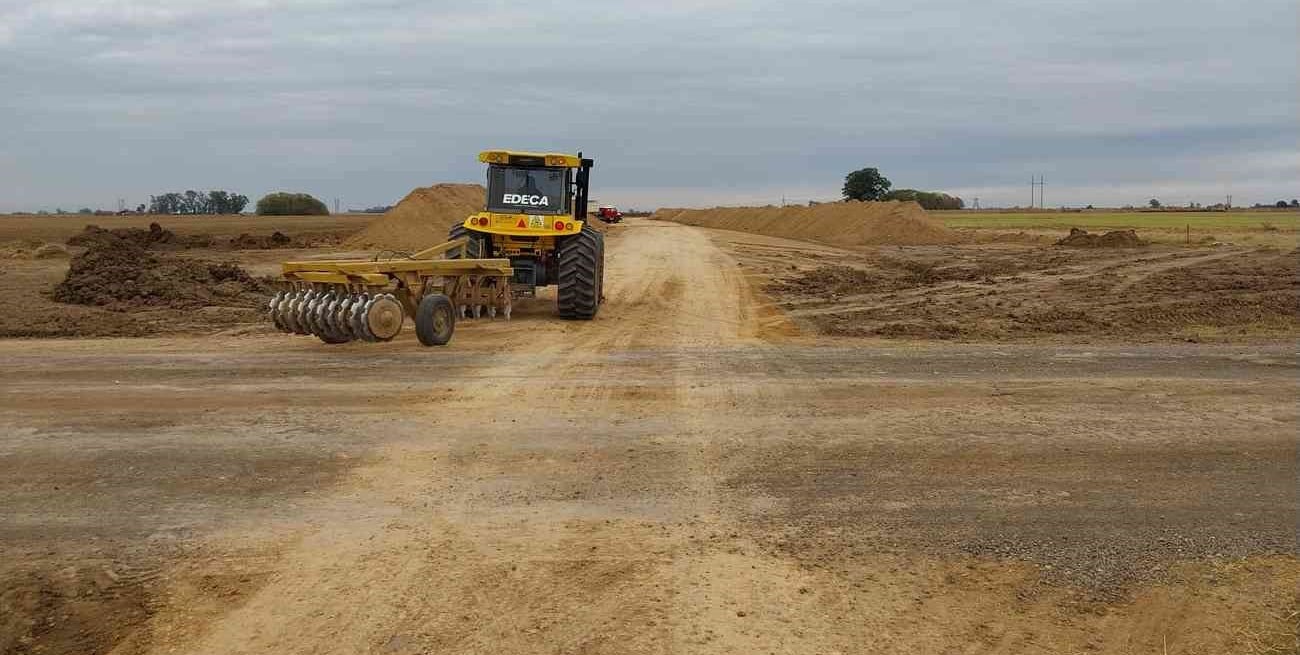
[
  {"x": 31, "y": 249},
  {"x": 422, "y": 218},
  {"x": 1080, "y": 238},
  {"x": 118, "y": 273},
  {"x": 50, "y": 251},
  {"x": 836, "y": 223}
]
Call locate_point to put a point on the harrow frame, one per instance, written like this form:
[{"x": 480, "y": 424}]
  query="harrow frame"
[{"x": 315, "y": 295}]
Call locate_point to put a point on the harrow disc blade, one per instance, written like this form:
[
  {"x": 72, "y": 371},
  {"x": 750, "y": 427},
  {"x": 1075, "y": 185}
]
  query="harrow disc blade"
[
  {"x": 295, "y": 313},
  {"x": 341, "y": 331},
  {"x": 278, "y": 311},
  {"x": 359, "y": 323},
  {"x": 343, "y": 317},
  {"x": 322, "y": 325},
  {"x": 283, "y": 309},
  {"x": 384, "y": 317},
  {"x": 301, "y": 313},
  {"x": 271, "y": 308},
  {"x": 328, "y": 312},
  {"x": 309, "y": 313}
]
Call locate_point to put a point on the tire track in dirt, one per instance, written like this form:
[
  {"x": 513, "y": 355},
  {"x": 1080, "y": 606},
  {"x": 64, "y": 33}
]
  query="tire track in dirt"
[{"x": 353, "y": 584}]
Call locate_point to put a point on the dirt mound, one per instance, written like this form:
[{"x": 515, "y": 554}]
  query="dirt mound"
[
  {"x": 120, "y": 274},
  {"x": 837, "y": 223},
  {"x": 94, "y": 235},
  {"x": 422, "y": 218},
  {"x": 248, "y": 241},
  {"x": 1114, "y": 239}
]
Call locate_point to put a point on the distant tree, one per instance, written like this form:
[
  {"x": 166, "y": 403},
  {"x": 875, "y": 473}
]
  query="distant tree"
[
  {"x": 1295, "y": 203},
  {"x": 865, "y": 184},
  {"x": 85, "y": 210},
  {"x": 290, "y": 204},
  {"x": 1153, "y": 203},
  {"x": 194, "y": 202},
  {"x": 218, "y": 202},
  {"x": 1281, "y": 204},
  {"x": 927, "y": 199},
  {"x": 225, "y": 202},
  {"x": 139, "y": 209}
]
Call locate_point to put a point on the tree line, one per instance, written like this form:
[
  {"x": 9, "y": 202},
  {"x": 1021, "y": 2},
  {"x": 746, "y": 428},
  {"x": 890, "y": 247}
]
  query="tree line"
[
  {"x": 194, "y": 202},
  {"x": 867, "y": 184}
]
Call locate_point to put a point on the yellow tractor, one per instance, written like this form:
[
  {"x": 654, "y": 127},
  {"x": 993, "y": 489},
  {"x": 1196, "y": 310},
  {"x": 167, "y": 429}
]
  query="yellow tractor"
[
  {"x": 533, "y": 233},
  {"x": 535, "y": 217}
]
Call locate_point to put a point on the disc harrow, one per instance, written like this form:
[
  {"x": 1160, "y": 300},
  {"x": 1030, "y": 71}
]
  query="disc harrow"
[{"x": 369, "y": 300}]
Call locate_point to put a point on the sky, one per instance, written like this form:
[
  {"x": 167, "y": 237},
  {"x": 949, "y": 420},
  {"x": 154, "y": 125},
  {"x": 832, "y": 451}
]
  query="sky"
[{"x": 680, "y": 103}]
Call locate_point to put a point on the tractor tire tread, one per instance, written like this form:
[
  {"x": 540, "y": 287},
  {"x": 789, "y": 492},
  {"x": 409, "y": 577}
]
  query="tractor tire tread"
[{"x": 581, "y": 269}]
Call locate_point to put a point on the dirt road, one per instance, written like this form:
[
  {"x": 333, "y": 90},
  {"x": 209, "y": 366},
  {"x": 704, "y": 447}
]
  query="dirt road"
[{"x": 673, "y": 477}]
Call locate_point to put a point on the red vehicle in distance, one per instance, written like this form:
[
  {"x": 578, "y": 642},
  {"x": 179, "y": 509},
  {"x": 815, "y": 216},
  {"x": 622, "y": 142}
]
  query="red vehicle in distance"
[{"x": 609, "y": 214}]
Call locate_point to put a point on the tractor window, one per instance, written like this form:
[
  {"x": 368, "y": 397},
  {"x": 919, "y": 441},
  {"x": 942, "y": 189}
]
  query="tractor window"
[{"x": 517, "y": 190}]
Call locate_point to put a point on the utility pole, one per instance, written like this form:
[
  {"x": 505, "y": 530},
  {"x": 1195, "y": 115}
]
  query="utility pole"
[{"x": 336, "y": 205}]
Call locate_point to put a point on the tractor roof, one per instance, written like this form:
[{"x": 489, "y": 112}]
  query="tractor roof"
[{"x": 520, "y": 158}]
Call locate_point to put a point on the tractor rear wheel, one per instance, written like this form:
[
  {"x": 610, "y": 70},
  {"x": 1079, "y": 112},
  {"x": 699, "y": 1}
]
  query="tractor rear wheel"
[
  {"x": 478, "y": 242},
  {"x": 581, "y": 268},
  {"x": 435, "y": 320}
]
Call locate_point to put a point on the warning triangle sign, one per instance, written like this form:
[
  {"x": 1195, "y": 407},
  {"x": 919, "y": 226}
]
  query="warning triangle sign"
[{"x": 522, "y": 224}]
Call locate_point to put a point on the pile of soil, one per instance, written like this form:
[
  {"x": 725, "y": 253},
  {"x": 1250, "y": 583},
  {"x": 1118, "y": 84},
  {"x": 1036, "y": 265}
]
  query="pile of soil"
[
  {"x": 1079, "y": 238},
  {"x": 94, "y": 235},
  {"x": 248, "y": 241},
  {"x": 422, "y": 218},
  {"x": 155, "y": 238},
  {"x": 120, "y": 274},
  {"x": 838, "y": 223}
]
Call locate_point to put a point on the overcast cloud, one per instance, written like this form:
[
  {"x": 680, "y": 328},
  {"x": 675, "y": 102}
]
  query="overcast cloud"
[{"x": 681, "y": 103}]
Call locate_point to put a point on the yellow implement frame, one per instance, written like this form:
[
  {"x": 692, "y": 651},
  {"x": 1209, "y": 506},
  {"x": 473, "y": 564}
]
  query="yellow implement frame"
[{"x": 471, "y": 284}]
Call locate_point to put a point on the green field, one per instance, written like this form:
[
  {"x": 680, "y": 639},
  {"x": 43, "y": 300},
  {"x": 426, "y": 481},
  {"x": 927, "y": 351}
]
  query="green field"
[{"x": 1260, "y": 227}]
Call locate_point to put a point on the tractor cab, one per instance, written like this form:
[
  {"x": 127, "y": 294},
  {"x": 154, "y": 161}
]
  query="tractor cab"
[
  {"x": 535, "y": 216},
  {"x": 532, "y": 194}
]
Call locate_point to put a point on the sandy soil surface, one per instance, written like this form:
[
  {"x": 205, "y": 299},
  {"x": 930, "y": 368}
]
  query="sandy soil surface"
[
  {"x": 1017, "y": 292},
  {"x": 685, "y": 474}
]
